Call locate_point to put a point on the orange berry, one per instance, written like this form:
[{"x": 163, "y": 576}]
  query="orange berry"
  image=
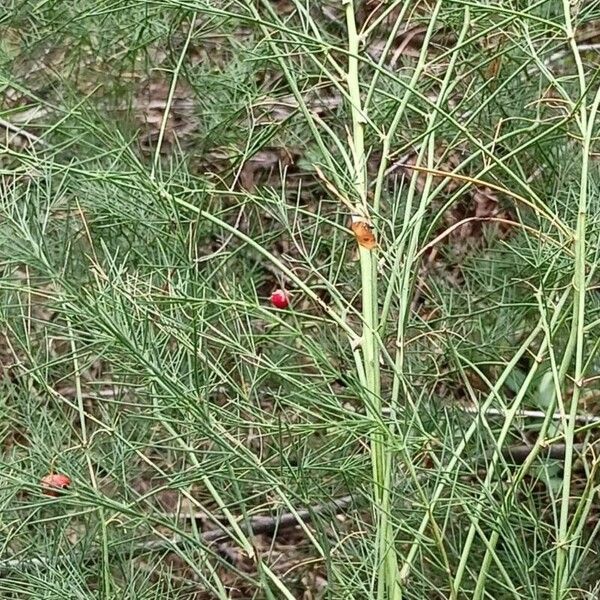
[{"x": 54, "y": 483}]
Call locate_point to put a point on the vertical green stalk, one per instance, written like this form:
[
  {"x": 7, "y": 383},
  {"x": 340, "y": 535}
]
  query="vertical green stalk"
[
  {"x": 549, "y": 329},
  {"x": 387, "y": 563},
  {"x": 565, "y": 544},
  {"x": 579, "y": 289}
]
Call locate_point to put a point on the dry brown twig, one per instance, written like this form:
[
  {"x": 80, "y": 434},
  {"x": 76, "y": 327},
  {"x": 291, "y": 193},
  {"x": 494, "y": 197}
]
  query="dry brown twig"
[
  {"x": 18, "y": 131},
  {"x": 265, "y": 525}
]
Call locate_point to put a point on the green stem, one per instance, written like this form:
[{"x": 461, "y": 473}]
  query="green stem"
[
  {"x": 387, "y": 563},
  {"x": 587, "y": 120},
  {"x": 549, "y": 330},
  {"x": 579, "y": 290}
]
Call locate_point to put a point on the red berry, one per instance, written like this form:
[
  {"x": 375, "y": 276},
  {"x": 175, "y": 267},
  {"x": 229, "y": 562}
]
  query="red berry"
[
  {"x": 54, "y": 483},
  {"x": 280, "y": 299}
]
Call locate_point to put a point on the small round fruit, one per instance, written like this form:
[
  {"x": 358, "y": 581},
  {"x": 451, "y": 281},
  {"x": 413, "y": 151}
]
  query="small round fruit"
[
  {"x": 54, "y": 483},
  {"x": 280, "y": 299}
]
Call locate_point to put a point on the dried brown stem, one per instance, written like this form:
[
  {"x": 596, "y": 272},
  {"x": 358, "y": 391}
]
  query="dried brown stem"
[{"x": 267, "y": 525}]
